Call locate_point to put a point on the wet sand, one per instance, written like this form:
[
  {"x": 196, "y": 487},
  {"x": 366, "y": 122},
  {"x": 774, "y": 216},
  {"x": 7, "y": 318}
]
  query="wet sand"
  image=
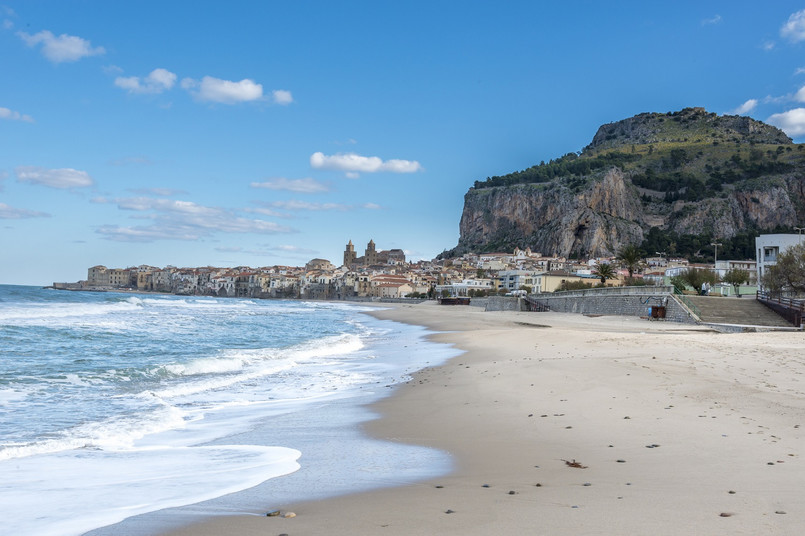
[{"x": 566, "y": 424}]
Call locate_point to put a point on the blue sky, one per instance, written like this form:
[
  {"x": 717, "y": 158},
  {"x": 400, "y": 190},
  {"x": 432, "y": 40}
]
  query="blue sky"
[{"x": 260, "y": 133}]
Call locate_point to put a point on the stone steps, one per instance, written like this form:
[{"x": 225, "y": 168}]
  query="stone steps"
[{"x": 744, "y": 311}]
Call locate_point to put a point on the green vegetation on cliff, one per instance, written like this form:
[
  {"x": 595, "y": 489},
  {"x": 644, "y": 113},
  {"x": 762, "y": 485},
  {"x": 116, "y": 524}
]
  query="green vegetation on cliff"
[{"x": 689, "y": 155}]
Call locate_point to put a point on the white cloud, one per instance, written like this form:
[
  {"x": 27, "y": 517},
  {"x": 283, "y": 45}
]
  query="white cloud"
[
  {"x": 294, "y": 249},
  {"x": 306, "y": 185},
  {"x": 63, "y": 48},
  {"x": 54, "y": 178},
  {"x": 350, "y": 141},
  {"x": 223, "y": 91},
  {"x": 267, "y": 212},
  {"x": 791, "y": 122},
  {"x": 767, "y": 45},
  {"x": 799, "y": 96},
  {"x": 352, "y": 163},
  {"x": 11, "y": 115},
  {"x": 229, "y": 249},
  {"x": 746, "y": 107},
  {"x": 11, "y": 213},
  {"x": 794, "y": 27},
  {"x": 305, "y": 205},
  {"x": 7, "y": 24},
  {"x": 181, "y": 220},
  {"x": 712, "y": 20},
  {"x": 282, "y": 97},
  {"x": 371, "y": 206},
  {"x": 166, "y": 192},
  {"x": 157, "y": 81}
]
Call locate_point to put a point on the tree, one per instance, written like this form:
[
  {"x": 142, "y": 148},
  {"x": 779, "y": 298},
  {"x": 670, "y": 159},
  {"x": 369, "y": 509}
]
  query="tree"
[
  {"x": 696, "y": 277},
  {"x": 604, "y": 271},
  {"x": 736, "y": 277},
  {"x": 630, "y": 257},
  {"x": 789, "y": 272}
]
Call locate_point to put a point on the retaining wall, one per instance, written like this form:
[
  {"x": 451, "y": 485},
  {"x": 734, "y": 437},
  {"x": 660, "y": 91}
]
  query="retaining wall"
[
  {"x": 624, "y": 301},
  {"x": 500, "y": 303}
]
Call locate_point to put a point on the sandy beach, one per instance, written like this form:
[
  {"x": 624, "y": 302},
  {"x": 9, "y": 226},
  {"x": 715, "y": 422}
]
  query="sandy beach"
[{"x": 566, "y": 424}]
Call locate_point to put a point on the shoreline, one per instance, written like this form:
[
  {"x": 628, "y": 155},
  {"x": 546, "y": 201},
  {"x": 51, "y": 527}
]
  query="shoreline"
[{"x": 666, "y": 418}]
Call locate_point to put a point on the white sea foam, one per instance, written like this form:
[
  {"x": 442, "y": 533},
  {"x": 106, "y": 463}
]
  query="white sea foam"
[
  {"x": 113, "y": 433},
  {"x": 80, "y": 495}
]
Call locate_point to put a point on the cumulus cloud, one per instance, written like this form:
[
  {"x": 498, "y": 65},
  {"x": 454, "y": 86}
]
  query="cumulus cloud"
[
  {"x": 223, "y": 91},
  {"x": 64, "y": 48},
  {"x": 11, "y": 213},
  {"x": 352, "y": 164},
  {"x": 282, "y": 97},
  {"x": 746, "y": 107},
  {"x": 791, "y": 122},
  {"x": 64, "y": 178},
  {"x": 794, "y": 27},
  {"x": 181, "y": 220},
  {"x": 157, "y": 81},
  {"x": 306, "y": 185},
  {"x": 11, "y": 115},
  {"x": 799, "y": 96}
]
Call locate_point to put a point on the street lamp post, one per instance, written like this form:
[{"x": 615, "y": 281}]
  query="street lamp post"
[
  {"x": 715, "y": 260},
  {"x": 715, "y": 244},
  {"x": 799, "y": 232}
]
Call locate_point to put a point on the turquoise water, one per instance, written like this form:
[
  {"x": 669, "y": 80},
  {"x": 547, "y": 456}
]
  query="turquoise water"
[{"x": 115, "y": 405}]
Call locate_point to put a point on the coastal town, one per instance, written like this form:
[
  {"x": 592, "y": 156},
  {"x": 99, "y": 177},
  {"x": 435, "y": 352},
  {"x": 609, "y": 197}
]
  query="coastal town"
[{"x": 386, "y": 274}]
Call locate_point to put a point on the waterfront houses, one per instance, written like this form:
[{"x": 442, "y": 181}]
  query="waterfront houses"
[{"x": 384, "y": 274}]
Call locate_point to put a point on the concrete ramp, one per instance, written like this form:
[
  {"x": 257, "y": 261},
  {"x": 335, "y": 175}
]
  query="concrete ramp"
[{"x": 745, "y": 311}]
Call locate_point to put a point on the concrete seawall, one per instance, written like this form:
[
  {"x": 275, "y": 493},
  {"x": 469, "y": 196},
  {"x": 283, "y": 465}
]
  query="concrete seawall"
[{"x": 624, "y": 301}]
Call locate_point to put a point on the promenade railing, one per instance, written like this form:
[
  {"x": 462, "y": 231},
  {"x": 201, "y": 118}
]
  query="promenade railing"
[
  {"x": 791, "y": 309},
  {"x": 689, "y": 304}
]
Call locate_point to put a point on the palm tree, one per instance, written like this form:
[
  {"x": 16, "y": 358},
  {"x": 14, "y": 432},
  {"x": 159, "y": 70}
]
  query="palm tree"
[
  {"x": 604, "y": 271},
  {"x": 630, "y": 256}
]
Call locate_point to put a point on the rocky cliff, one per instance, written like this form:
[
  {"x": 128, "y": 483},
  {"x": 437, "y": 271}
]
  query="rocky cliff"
[{"x": 688, "y": 173}]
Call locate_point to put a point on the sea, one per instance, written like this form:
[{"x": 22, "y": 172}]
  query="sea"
[{"x": 130, "y": 414}]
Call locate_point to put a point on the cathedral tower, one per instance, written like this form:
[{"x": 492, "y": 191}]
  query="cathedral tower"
[
  {"x": 349, "y": 255},
  {"x": 371, "y": 254}
]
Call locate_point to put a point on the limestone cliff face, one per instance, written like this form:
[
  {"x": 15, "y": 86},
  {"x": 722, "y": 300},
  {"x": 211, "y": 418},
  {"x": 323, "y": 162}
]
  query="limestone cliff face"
[
  {"x": 555, "y": 220},
  {"x": 601, "y": 219},
  {"x": 688, "y": 172}
]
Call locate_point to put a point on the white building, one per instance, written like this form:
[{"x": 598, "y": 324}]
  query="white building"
[
  {"x": 768, "y": 247},
  {"x": 516, "y": 279}
]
